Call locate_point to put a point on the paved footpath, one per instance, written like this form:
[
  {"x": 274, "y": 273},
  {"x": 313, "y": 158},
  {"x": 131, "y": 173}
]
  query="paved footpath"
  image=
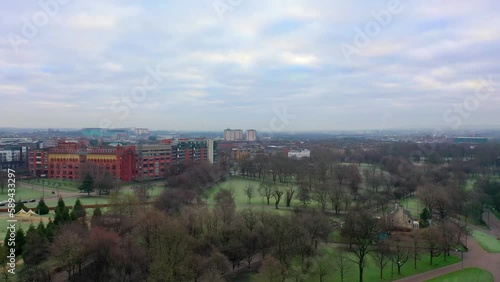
[{"x": 475, "y": 257}]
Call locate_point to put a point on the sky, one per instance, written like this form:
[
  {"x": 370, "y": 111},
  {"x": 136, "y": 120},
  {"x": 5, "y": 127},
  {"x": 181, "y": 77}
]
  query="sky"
[{"x": 282, "y": 65}]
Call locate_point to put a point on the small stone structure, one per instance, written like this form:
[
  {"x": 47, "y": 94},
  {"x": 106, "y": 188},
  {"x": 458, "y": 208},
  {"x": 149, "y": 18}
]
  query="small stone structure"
[{"x": 402, "y": 218}]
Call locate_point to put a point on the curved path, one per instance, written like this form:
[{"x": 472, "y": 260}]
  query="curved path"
[{"x": 476, "y": 257}]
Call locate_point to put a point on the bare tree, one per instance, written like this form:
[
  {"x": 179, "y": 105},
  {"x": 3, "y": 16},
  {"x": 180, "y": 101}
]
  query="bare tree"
[
  {"x": 373, "y": 180},
  {"x": 69, "y": 250},
  {"x": 399, "y": 253},
  {"x": 432, "y": 240},
  {"x": 381, "y": 256},
  {"x": 142, "y": 191},
  {"x": 336, "y": 195},
  {"x": 277, "y": 193},
  {"x": 226, "y": 207},
  {"x": 272, "y": 270},
  {"x": 250, "y": 193},
  {"x": 304, "y": 194},
  {"x": 415, "y": 250},
  {"x": 266, "y": 190},
  {"x": 343, "y": 264},
  {"x": 105, "y": 183},
  {"x": 360, "y": 227},
  {"x": 290, "y": 191},
  {"x": 341, "y": 173},
  {"x": 321, "y": 195},
  {"x": 322, "y": 266},
  {"x": 450, "y": 236},
  {"x": 428, "y": 194}
]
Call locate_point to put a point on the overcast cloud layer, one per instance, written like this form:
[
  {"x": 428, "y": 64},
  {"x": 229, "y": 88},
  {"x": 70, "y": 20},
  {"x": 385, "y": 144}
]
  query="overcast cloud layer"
[{"x": 245, "y": 64}]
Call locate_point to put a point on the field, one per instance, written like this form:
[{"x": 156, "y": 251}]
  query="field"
[
  {"x": 371, "y": 272},
  {"x": 466, "y": 275},
  {"x": 238, "y": 185},
  {"x": 66, "y": 185},
  {"x": 24, "y": 194},
  {"x": 412, "y": 205},
  {"x": 488, "y": 242},
  {"x": 26, "y": 191}
]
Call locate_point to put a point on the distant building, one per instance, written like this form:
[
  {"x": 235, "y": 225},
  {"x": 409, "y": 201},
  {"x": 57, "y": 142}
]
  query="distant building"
[
  {"x": 197, "y": 150},
  {"x": 14, "y": 153},
  {"x": 64, "y": 161},
  {"x": 125, "y": 163},
  {"x": 212, "y": 151},
  {"x": 153, "y": 159},
  {"x": 251, "y": 135},
  {"x": 141, "y": 131},
  {"x": 12, "y": 157},
  {"x": 39, "y": 162},
  {"x": 471, "y": 140},
  {"x": 402, "y": 218},
  {"x": 238, "y": 153},
  {"x": 299, "y": 154},
  {"x": 233, "y": 135}
]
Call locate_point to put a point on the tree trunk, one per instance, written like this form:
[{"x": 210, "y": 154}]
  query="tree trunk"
[{"x": 360, "y": 273}]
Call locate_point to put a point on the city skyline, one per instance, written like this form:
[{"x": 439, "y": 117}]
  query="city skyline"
[{"x": 283, "y": 67}]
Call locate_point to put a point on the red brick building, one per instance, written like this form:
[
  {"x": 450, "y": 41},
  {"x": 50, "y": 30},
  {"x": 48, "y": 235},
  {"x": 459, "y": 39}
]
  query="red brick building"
[{"x": 67, "y": 159}]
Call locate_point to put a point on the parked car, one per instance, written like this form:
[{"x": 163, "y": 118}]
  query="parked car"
[
  {"x": 24, "y": 201},
  {"x": 32, "y": 200},
  {"x": 2, "y": 204}
]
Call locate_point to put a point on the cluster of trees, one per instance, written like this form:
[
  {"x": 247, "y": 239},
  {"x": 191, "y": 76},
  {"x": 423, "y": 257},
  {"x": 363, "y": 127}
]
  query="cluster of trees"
[
  {"x": 440, "y": 172},
  {"x": 323, "y": 179},
  {"x": 35, "y": 245},
  {"x": 199, "y": 243},
  {"x": 364, "y": 232},
  {"x": 187, "y": 183},
  {"x": 181, "y": 238},
  {"x": 103, "y": 184}
]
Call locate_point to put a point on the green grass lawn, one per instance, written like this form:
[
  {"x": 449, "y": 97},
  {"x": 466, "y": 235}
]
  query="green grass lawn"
[
  {"x": 24, "y": 224},
  {"x": 23, "y": 194},
  {"x": 238, "y": 184},
  {"x": 488, "y": 242},
  {"x": 470, "y": 184},
  {"x": 466, "y": 275},
  {"x": 371, "y": 272},
  {"x": 53, "y": 183},
  {"x": 412, "y": 205}
]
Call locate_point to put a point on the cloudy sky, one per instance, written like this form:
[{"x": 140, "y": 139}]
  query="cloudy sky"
[{"x": 278, "y": 65}]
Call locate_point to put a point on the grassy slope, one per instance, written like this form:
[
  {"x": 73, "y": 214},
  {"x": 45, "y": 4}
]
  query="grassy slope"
[
  {"x": 371, "y": 272},
  {"x": 488, "y": 242},
  {"x": 466, "y": 275}
]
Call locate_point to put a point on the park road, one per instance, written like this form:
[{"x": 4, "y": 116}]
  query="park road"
[{"x": 476, "y": 257}]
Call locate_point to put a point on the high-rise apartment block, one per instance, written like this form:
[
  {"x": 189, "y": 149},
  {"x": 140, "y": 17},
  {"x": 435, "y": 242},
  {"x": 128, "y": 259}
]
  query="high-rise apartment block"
[
  {"x": 233, "y": 135},
  {"x": 251, "y": 135}
]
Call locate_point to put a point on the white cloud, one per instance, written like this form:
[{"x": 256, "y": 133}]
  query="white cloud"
[
  {"x": 262, "y": 53},
  {"x": 86, "y": 21}
]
